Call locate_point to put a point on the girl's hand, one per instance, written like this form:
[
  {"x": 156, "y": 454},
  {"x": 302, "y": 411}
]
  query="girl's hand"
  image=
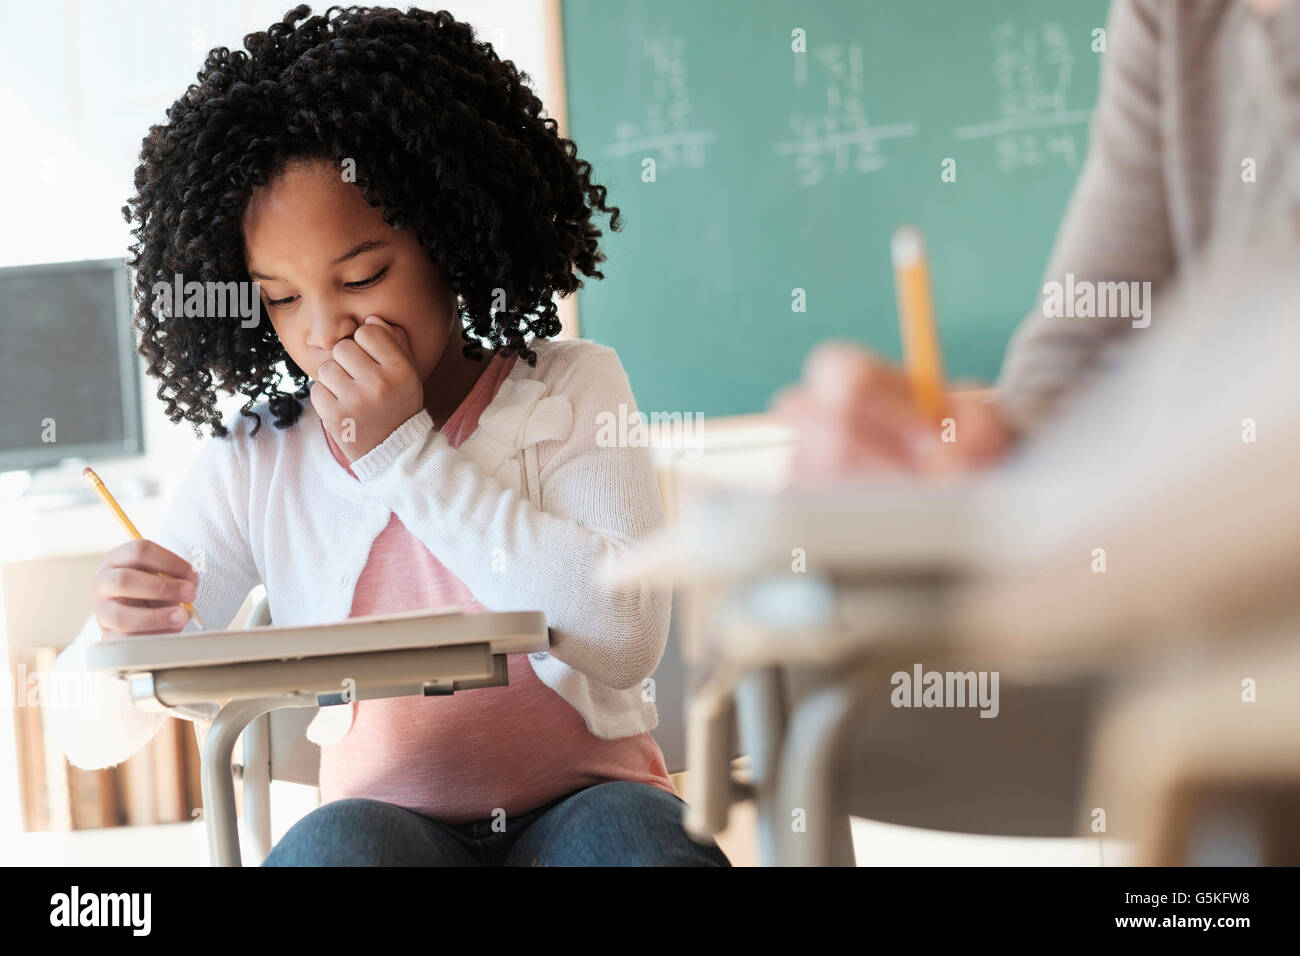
[
  {"x": 128, "y": 597},
  {"x": 854, "y": 414},
  {"x": 368, "y": 388}
]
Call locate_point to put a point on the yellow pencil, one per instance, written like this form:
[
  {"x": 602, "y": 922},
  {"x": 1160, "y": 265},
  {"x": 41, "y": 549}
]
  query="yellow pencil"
[
  {"x": 921, "y": 353},
  {"x": 102, "y": 490}
]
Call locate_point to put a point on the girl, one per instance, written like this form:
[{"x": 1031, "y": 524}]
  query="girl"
[{"x": 388, "y": 181}]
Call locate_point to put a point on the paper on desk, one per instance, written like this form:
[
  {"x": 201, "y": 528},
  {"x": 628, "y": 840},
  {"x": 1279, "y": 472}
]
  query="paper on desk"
[{"x": 852, "y": 526}]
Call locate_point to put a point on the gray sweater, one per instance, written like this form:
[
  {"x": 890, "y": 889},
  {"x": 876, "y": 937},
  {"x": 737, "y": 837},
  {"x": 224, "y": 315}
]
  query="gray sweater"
[{"x": 1191, "y": 90}]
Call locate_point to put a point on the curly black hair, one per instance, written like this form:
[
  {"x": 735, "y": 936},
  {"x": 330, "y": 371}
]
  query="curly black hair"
[{"x": 446, "y": 137}]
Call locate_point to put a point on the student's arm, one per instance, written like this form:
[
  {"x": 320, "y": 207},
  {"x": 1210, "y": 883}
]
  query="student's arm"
[
  {"x": 513, "y": 556},
  {"x": 1116, "y": 228},
  {"x": 205, "y": 523}
]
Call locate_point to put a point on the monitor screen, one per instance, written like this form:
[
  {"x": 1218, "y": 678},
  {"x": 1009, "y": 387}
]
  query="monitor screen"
[{"x": 69, "y": 379}]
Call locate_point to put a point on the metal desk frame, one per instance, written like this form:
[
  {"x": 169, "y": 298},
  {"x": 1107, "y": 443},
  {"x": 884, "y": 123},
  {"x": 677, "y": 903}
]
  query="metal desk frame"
[{"x": 250, "y": 689}]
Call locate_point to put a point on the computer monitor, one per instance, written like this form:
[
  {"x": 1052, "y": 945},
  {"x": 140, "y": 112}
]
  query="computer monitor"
[{"x": 69, "y": 373}]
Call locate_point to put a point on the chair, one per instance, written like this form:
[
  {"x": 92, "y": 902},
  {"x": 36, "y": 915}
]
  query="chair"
[{"x": 275, "y": 745}]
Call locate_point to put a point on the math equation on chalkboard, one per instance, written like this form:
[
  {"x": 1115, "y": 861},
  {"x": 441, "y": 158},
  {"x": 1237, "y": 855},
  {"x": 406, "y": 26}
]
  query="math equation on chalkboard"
[
  {"x": 839, "y": 137},
  {"x": 1031, "y": 72}
]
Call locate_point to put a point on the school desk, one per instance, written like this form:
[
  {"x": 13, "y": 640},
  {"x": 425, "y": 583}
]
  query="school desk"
[
  {"x": 843, "y": 588},
  {"x": 233, "y": 677},
  {"x": 796, "y": 609},
  {"x": 799, "y": 663}
]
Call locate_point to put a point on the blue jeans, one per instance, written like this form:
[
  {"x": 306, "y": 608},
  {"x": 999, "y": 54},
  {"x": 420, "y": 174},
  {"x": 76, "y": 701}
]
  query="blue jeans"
[{"x": 617, "y": 823}]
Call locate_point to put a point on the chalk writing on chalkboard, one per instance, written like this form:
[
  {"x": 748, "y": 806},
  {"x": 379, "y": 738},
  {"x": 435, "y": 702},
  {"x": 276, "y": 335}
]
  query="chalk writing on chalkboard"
[
  {"x": 1031, "y": 70},
  {"x": 666, "y": 130},
  {"x": 839, "y": 139}
]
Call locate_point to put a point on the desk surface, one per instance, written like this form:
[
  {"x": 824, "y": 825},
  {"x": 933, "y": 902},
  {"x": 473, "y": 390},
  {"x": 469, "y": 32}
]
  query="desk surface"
[
  {"x": 1205, "y": 549},
  {"x": 509, "y": 632},
  {"x": 885, "y": 527}
]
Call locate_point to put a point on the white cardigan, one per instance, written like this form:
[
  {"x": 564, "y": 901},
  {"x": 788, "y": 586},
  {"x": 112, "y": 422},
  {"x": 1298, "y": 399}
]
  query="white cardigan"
[{"x": 525, "y": 512}]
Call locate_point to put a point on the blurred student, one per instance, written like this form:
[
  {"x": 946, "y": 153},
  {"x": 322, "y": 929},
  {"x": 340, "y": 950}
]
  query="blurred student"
[{"x": 1195, "y": 144}]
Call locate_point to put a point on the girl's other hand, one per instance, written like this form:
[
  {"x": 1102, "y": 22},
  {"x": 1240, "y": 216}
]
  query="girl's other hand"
[
  {"x": 129, "y": 597},
  {"x": 854, "y": 415}
]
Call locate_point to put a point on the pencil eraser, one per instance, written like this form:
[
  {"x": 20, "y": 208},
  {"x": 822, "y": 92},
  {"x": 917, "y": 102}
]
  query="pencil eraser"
[{"x": 907, "y": 247}]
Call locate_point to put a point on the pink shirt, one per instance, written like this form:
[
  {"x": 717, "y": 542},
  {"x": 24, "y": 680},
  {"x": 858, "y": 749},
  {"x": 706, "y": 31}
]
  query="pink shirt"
[{"x": 461, "y": 757}]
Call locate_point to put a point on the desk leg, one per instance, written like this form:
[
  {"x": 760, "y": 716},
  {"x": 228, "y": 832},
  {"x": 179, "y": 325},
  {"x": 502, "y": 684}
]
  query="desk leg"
[
  {"x": 255, "y": 784},
  {"x": 760, "y": 723},
  {"x": 219, "y": 783},
  {"x": 710, "y": 789},
  {"x": 807, "y": 775}
]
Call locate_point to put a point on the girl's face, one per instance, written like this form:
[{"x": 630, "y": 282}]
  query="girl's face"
[{"x": 326, "y": 259}]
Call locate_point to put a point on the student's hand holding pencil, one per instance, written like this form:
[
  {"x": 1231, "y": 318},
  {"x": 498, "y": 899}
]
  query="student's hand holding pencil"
[
  {"x": 139, "y": 589},
  {"x": 856, "y": 413}
]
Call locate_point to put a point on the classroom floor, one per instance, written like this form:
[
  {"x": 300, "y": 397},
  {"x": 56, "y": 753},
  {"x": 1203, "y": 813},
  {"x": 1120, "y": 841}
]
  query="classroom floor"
[
  {"x": 875, "y": 844},
  {"x": 884, "y": 844}
]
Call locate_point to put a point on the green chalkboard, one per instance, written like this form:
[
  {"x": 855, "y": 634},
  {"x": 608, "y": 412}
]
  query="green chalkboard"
[{"x": 776, "y": 170}]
